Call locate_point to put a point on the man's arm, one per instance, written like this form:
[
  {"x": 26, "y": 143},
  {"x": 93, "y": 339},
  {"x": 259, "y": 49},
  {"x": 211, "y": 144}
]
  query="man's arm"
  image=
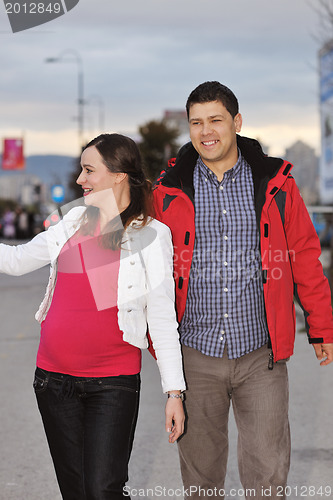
[{"x": 312, "y": 287}]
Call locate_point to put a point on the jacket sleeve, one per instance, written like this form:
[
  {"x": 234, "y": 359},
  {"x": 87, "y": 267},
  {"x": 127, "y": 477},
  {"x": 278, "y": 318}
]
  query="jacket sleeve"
[
  {"x": 22, "y": 259},
  {"x": 40, "y": 251},
  {"x": 312, "y": 289},
  {"x": 161, "y": 315}
]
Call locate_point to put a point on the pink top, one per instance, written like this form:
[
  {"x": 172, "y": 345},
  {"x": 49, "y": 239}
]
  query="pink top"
[{"x": 80, "y": 335}]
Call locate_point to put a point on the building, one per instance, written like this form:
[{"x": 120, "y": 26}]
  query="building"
[
  {"x": 305, "y": 171},
  {"x": 22, "y": 187},
  {"x": 177, "y": 118}
]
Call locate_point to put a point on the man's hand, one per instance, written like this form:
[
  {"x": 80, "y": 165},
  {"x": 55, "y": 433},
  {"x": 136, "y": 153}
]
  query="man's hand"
[
  {"x": 324, "y": 352},
  {"x": 174, "y": 418}
]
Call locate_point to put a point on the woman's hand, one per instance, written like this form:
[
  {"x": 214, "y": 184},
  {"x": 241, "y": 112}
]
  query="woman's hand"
[{"x": 174, "y": 418}]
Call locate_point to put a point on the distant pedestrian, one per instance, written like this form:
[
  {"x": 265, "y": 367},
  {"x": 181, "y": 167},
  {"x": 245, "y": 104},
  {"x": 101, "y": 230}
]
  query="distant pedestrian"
[
  {"x": 244, "y": 244},
  {"x": 111, "y": 278},
  {"x": 22, "y": 224},
  {"x": 8, "y": 221}
]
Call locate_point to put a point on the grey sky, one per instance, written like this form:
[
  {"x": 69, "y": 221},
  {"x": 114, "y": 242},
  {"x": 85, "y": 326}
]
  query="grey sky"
[{"x": 142, "y": 57}]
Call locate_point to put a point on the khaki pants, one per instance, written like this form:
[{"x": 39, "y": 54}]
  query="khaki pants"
[{"x": 260, "y": 403}]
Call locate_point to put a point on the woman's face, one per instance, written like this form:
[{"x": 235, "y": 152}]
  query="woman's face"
[{"x": 98, "y": 183}]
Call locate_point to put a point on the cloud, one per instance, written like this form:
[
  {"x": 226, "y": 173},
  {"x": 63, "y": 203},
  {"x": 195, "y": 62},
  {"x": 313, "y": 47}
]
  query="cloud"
[{"x": 144, "y": 57}]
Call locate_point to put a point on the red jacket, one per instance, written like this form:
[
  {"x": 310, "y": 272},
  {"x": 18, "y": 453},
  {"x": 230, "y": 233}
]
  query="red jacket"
[{"x": 289, "y": 245}]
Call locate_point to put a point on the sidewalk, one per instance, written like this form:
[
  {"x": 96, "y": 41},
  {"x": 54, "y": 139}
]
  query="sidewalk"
[{"x": 26, "y": 471}]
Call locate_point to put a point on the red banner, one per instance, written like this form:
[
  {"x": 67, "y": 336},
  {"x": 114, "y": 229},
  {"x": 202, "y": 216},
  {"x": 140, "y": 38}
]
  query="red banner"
[{"x": 12, "y": 155}]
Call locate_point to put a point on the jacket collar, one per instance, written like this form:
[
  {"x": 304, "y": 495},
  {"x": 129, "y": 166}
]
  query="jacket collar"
[
  {"x": 181, "y": 174},
  {"x": 263, "y": 167}
]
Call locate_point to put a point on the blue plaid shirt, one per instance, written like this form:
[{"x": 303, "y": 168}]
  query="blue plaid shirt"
[{"x": 225, "y": 304}]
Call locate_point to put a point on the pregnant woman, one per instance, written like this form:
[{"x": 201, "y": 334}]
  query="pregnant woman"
[{"x": 111, "y": 279}]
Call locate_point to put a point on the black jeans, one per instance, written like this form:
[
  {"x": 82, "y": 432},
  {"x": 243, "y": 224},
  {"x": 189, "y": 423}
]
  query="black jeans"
[{"x": 89, "y": 425}]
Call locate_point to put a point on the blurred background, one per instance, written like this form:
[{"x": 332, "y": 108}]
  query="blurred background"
[{"x": 128, "y": 67}]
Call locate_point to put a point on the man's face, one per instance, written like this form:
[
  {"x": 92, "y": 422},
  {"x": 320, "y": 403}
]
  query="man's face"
[{"x": 213, "y": 134}]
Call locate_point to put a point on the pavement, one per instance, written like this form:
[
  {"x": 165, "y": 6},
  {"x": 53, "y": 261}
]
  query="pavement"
[{"x": 26, "y": 471}]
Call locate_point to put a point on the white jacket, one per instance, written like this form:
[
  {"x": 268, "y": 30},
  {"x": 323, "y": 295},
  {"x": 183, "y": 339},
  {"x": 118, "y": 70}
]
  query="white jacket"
[{"x": 145, "y": 285}]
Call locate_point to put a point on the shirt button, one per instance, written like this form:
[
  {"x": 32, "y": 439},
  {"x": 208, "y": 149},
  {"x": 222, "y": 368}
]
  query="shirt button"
[
  {"x": 226, "y": 315},
  {"x": 221, "y": 187},
  {"x": 132, "y": 262},
  {"x": 129, "y": 310},
  {"x": 206, "y": 179},
  {"x": 225, "y": 263},
  {"x": 233, "y": 180},
  {"x": 226, "y": 237},
  {"x": 130, "y": 286},
  {"x": 225, "y": 289},
  {"x": 224, "y": 211}
]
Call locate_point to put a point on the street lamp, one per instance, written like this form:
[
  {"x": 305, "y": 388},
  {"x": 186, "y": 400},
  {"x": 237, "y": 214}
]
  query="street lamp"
[
  {"x": 74, "y": 56},
  {"x": 98, "y": 100}
]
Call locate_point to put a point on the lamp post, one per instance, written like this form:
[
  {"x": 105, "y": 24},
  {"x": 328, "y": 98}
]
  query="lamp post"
[
  {"x": 98, "y": 100},
  {"x": 74, "y": 56}
]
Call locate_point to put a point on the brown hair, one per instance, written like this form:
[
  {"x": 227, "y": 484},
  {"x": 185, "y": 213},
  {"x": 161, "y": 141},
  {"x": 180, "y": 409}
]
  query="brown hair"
[
  {"x": 213, "y": 91},
  {"x": 121, "y": 154}
]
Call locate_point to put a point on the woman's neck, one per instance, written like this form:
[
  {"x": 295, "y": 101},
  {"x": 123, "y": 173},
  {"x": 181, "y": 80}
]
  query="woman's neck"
[{"x": 113, "y": 210}]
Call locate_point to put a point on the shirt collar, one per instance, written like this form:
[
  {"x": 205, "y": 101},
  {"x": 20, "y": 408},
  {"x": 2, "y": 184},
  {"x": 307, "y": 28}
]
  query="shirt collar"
[{"x": 232, "y": 173}]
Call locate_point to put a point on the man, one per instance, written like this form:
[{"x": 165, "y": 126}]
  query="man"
[{"x": 244, "y": 245}]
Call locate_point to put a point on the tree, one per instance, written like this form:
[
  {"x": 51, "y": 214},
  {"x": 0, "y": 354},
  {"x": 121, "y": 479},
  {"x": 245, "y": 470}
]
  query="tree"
[
  {"x": 324, "y": 11},
  {"x": 158, "y": 144}
]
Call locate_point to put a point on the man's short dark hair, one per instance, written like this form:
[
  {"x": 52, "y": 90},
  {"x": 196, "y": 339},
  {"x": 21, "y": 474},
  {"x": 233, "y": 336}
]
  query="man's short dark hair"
[{"x": 213, "y": 91}]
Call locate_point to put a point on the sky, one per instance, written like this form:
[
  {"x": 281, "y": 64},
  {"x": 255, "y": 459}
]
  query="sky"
[{"x": 140, "y": 58}]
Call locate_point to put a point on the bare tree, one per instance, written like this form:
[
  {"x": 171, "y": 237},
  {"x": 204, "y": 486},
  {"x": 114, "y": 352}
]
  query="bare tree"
[{"x": 324, "y": 11}]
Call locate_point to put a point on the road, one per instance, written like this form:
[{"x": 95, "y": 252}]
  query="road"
[{"x": 26, "y": 471}]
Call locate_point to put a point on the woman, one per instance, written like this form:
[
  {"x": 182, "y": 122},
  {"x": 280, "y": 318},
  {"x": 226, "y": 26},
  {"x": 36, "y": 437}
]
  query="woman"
[{"x": 111, "y": 275}]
